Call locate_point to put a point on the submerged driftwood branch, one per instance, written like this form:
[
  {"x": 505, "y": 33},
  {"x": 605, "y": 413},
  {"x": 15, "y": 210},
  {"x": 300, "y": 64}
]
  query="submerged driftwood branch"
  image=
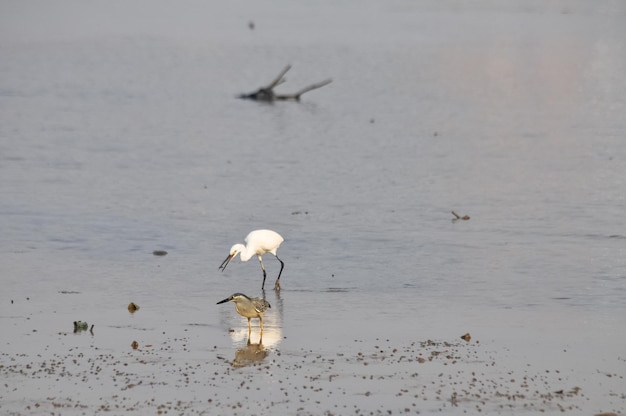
[
  {"x": 267, "y": 93},
  {"x": 458, "y": 217}
]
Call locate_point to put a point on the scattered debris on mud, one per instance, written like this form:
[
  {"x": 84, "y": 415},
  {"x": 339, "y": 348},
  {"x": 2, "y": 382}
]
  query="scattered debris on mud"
[{"x": 372, "y": 376}]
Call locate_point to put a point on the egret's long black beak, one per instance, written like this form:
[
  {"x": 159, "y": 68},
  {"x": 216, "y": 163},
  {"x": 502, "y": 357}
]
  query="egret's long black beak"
[
  {"x": 223, "y": 301},
  {"x": 225, "y": 262}
]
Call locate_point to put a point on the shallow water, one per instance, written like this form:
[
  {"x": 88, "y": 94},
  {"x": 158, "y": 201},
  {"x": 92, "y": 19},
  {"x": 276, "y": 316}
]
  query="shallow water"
[{"x": 120, "y": 135}]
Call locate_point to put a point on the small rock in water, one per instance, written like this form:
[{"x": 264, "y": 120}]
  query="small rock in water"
[
  {"x": 133, "y": 307},
  {"x": 159, "y": 252},
  {"x": 80, "y": 326}
]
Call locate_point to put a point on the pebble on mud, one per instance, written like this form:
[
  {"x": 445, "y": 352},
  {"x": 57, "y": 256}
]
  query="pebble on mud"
[{"x": 467, "y": 337}]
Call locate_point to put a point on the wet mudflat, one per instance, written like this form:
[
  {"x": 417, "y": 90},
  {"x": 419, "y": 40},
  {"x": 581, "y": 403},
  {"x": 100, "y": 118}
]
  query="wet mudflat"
[
  {"x": 128, "y": 168},
  {"x": 172, "y": 364}
]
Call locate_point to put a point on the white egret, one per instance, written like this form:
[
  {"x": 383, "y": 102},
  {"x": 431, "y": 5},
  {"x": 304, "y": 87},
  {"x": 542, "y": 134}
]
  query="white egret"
[{"x": 258, "y": 242}]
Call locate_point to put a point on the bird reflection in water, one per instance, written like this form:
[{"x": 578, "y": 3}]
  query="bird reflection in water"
[{"x": 250, "y": 354}]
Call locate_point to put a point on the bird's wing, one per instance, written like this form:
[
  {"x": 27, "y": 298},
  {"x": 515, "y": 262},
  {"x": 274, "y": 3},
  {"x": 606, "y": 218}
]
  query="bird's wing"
[{"x": 260, "y": 305}]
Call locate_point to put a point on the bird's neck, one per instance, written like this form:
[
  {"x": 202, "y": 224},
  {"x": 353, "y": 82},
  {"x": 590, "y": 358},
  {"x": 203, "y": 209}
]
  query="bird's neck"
[{"x": 244, "y": 253}]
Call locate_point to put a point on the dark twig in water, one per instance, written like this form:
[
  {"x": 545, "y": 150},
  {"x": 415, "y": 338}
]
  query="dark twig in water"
[
  {"x": 297, "y": 95},
  {"x": 280, "y": 78},
  {"x": 267, "y": 93},
  {"x": 458, "y": 217}
]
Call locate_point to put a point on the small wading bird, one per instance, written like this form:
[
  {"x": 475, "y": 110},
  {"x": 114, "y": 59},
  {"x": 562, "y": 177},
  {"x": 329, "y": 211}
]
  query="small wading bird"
[
  {"x": 248, "y": 307},
  {"x": 257, "y": 242}
]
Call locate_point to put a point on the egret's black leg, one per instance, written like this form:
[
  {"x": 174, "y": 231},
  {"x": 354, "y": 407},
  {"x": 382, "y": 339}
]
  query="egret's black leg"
[{"x": 282, "y": 266}]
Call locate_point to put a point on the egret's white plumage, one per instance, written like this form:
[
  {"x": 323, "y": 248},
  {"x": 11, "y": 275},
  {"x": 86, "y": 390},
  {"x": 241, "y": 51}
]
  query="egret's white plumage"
[{"x": 258, "y": 242}]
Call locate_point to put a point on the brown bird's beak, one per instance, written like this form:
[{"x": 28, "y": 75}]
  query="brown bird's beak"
[{"x": 223, "y": 301}]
